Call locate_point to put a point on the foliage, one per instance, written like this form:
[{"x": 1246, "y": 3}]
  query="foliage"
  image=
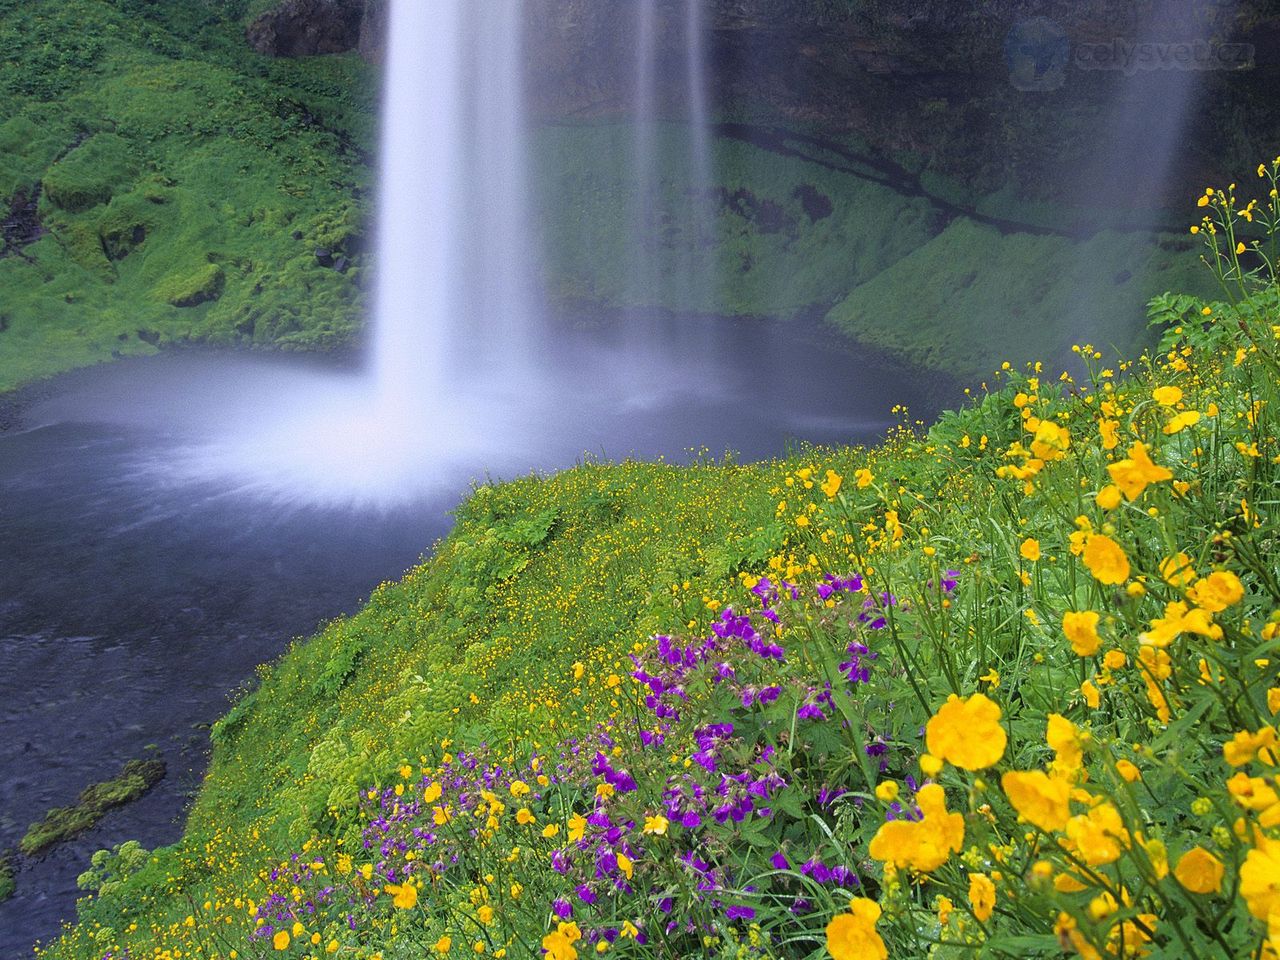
[
  {"x": 177, "y": 167},
  {"x": 108, "y": 869},
  {"x": 1004, "y": 687}
]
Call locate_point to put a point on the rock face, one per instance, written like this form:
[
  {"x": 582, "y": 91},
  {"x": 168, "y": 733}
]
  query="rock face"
[{"x": 302, "y": 28}]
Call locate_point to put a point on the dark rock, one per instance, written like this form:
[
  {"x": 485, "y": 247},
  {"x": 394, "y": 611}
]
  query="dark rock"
[
  {"x": 149, "y": 336},
  {"x": 303, "y": 28},
  {"x": 21, "y": 225},
  {"x": 324, "y": 256},
  {"x": 341, "y": 264}
]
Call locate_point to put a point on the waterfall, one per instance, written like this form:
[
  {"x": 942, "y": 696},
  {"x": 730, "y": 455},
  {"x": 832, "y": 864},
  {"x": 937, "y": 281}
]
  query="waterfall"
[
  {"x": 453, "y": 248},
  {"x": 672, "y": 157}
]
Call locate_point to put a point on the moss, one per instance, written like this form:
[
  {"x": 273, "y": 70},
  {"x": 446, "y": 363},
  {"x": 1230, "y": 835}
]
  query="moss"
[
  {"x": 62, "y": 823},
  {"x": 200, "y": 285},
  {"x": 87, "y": 176},
  {"x": 973, "y": 291},
  {"x": 7, "y": 883},
  {"x": 212, "y": 156}
]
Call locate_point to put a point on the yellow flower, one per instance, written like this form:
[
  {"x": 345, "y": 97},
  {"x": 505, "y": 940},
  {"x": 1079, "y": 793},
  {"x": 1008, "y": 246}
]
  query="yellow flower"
[
  {"x": 1166, "y": 396},
  {"x": 519, "y": 788},
  {"x": 853, "y": 936},
  {"x": 1137, "y": 472},
  {"x": 281, "y": 940},
  {"x": 485, "y": 913},
  {"x": 1240, "y": 248},
  {"x": 625, "y": 865},
  {"x": 1105, "y": 560},
  {"x": 404, "y": 896},
  {"x": 443, "y": 945},
  {"x": 1177, "y": 570},
  {"x": 1082, "y": 630},
  {"x": 1178, "y": 619},
  {"x": 577, "y": 827},
  {"x": 1109, "y": 497},
  {"x": 559, "y": 943},
  {"x": 1199, "y": 871},
  {"x": 865, "y": 478},
  {"x": 1244, "y": 747},
  {"x": 1128, "y": 771},
  {"x": 1098, "y": 836},
  {"x": 1039, "y": 798},
  {"x": 831, "y": 486},
  {"x": 524, "y": 817},
  {"x": 1064, "y": 739},
  {"x": 1051, "y": 441},
  {"x": 967, "y": 732},
  {"x": 1188, "y": 418},
  {"x": 1092, "y": 696},
  {"x": 656, "y": 825},
  {"x": 1260, "y": 878},
  {"x": 924, "y": 844},
  {"x": 578, "y": 670},
  {"x": 1217, "y": 591},
  {"x": 982, "y": 896},
  {"x": 432, "y": 793},
  {"x": 887, "y": 791},
  {"x": 1109, "y": 431},
  {"x": 1030, "y": 549}
]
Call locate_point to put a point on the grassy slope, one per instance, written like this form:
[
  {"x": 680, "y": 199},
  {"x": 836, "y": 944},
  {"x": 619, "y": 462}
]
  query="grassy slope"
[
  {"x": 176, "y": 166},
  {"x": 479, "y": 644}
]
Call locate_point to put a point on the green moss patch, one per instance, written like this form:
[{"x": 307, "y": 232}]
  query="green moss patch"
[
  {"x": 86, "y": 176},
  {"x": 62, "y": 823}
]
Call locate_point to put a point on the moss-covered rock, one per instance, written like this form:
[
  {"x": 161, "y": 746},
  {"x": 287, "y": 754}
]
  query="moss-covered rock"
[
  {"x": 192, "y": 288},
  {"x": 62, "y": 823},
  {"x": 7, "y": 883},
  {"x": 87, "y": 176}
]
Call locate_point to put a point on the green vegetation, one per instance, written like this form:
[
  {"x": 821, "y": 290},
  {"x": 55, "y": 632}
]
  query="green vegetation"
[
  {"x": 1069, "y": 586},
  {"x": 790, "y": 226},
  {"x": 174, "y": 168},
  {"x": 7, "y": 883},
  {"x": 62, "y": 823}
]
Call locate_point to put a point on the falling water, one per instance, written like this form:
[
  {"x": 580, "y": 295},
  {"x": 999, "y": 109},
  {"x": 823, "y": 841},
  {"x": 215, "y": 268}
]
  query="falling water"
[
  {"x": 453, "y": 248},
  {"x": 672, "y": 161}
]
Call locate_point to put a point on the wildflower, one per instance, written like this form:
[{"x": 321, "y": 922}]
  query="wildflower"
[
  {"x": 1097, "y": 836},
  {"x": 1051, "y": 441},
  {"x": 967, "y": 732},
  {"x": 281, "y": 940},
  {"x": 519, "y": 788},
  {"x": 1199, "y": 871},
  {"x": 1092, "y": 695},
  {"x": 625, "y": 865},
  {"x": 524, "y": 817},
  {"x": 1245, "y": 747},
  {"x": 887, "y": 792},
  {"x": 443, "y": 945},
  {"x": 1178, "y": 619},
  {"x": 1217, "y": 591},
  {"x": 1109, "y": 431},
  {"x": 865, "y": 478},
  {"x": 831, "y": 486},
  {"x": 1166, "y": 396},
  {"x": 1177, "y": 570},
  {"x": 1137, "y": 472},
  {"x": 1081, "y": 628},
  {"x": 404, "y": 896},
  {"x": 1260, "y": 878},
  {"x": 1180, "y": 422},
  {"x": 577, "y": 827},
  {"x": 1109, "y": 497},
  {"x": 1064, "y": 739},
  {"x": 559, "y": 943},
  {"x": 432, "y": 793},
  {"x": 853, "y": 936},
  {"x": 1039, "y": 799},
  {"x": 924, "y": 844},
  {"x": 1128, "y": 771},
  {"x": 656, "y": 825},
  {"x": 982, "y": 896},
  {"x": 1105, "y": 559},
  {"x": 1030, "y": 549}
]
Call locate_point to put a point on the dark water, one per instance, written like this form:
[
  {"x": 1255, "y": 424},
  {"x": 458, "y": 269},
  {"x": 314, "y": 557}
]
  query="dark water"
[{"x": 134, "y": 599}]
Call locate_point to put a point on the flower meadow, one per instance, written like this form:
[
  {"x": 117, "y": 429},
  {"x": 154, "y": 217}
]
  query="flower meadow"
[{"x": 1005, "y": 686}]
